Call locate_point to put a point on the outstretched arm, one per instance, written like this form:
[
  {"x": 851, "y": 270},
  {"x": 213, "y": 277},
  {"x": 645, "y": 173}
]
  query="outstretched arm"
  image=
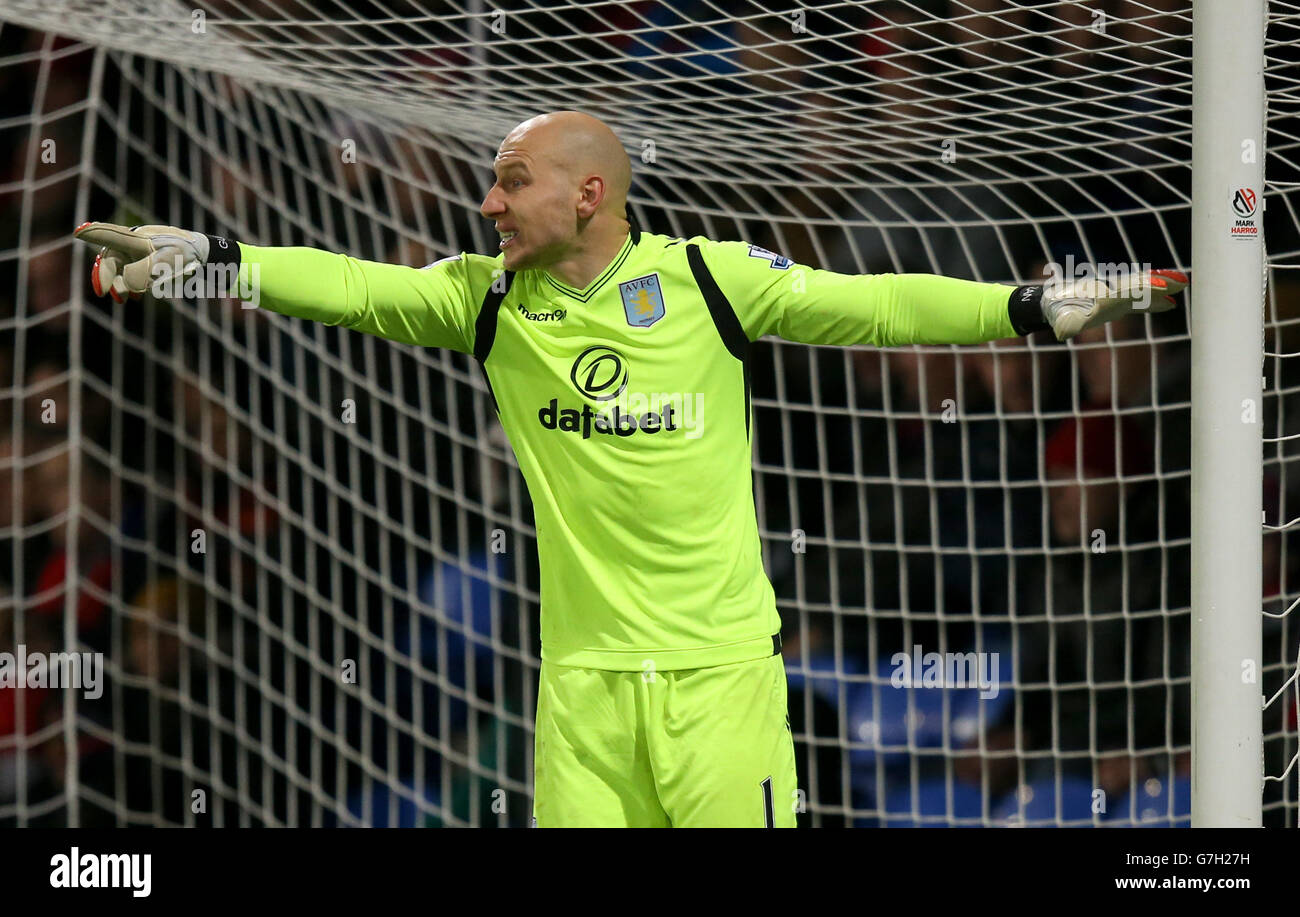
[
  {"x": 430, "y": 307},
  {"x": 772, "y": 295}
]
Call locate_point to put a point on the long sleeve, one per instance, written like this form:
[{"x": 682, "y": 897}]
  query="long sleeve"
[
  {"x": 772, "y": 295},
  {"x": 434, "y": 306}
]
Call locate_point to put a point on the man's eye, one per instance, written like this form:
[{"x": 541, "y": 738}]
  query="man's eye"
[{"x": 516, "y": 182}]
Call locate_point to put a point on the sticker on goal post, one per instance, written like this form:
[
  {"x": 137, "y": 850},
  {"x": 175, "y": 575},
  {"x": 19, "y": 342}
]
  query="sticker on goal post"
[{"x": 1245, "y": 214}]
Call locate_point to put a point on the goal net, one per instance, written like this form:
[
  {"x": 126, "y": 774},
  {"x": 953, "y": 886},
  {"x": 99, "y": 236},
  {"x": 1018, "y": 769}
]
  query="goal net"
[{"x": 306, "y": 556}]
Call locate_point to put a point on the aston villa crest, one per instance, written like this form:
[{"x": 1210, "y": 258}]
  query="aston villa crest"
[{"x": 643, "y": 302}]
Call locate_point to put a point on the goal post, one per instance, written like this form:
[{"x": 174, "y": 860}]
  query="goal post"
[{"x": 1227, "y": 316}]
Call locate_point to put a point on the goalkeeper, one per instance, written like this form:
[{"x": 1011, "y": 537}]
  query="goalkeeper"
[{"x": 618, "y": 363}]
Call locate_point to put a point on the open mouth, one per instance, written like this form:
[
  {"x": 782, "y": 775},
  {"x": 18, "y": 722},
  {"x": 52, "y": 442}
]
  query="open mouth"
[{"x": 506, "y": 239}]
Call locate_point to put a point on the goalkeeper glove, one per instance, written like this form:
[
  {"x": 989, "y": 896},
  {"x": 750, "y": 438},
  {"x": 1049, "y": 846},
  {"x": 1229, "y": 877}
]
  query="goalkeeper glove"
[
  {"x": 1075, "y": 305},
  {"x": 131, "y": 258}
]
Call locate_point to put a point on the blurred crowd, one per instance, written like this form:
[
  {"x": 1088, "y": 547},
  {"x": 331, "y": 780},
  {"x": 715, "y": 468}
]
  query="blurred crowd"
[{"x": 304, "y": 619}]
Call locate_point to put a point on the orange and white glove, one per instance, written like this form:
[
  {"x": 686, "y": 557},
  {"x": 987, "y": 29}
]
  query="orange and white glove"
[
  {"x": 1075, "y": 305},
  {"x": 131, "y": 259}
]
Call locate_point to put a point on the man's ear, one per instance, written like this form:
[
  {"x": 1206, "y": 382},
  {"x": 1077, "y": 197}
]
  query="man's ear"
[{"x": 593, "y": 192}]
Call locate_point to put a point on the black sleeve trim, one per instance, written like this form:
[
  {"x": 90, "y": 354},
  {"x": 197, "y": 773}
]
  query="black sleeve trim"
[
  {"x": 223, "y": 251},
  {"x": 1025, "y": 309},
  {"x": 485, "y": 326},
  {"x": 724, "y": 318}
]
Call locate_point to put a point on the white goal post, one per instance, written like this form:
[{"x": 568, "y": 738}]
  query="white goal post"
[{"x": 1227, "y": 452}]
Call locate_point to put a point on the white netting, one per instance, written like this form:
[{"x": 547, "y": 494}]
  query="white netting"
[
  {"x": 1024, "y": 499},
  {"x": 1281, "y": 635}
]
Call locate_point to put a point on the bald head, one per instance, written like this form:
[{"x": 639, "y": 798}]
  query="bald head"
[
  {"x": 560, "y": 198},
  {"x": 581, "y": 146}
]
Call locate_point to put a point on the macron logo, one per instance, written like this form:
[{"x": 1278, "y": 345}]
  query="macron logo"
[
  {"x": 103, "y": 870},
  {"x": 554, "y": 315}
]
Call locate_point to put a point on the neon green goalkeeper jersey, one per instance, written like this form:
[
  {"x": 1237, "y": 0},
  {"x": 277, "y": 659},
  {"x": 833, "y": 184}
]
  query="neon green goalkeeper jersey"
[{"x": 627, "y": 404}]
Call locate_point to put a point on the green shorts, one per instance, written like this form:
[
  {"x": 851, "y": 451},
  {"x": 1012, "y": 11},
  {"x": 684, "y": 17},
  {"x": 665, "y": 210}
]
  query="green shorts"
[{"x": 687, "y": 748}]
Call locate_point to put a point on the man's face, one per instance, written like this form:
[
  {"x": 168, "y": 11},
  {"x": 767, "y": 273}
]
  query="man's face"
[{"x": 534, "y": 200}]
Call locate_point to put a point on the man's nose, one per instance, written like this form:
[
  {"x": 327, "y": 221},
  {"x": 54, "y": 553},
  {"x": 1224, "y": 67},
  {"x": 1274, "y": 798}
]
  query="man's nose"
[{"x": 491, "y": 205}]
